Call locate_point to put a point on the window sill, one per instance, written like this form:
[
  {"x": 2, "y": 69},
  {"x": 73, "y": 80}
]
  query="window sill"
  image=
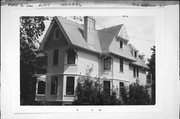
[
  {"x": 55, "y": 65},
  {"x": 40, "y": 94},
  {"x": 107, "y": 69},
  {"x": 71, "y": 64},
  {"x": 69, "y": 95}
]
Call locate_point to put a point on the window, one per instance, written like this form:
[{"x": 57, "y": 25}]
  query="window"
[
  {"x": 107, "y": 63},
  {"x": 57, "y": 33},
  {"x": 121, "y": 65},
  {"x": 41, "y": 87},
  {"x": 106, "y": 87},
  {"x": 135, "y": 71},
  {"x": 121, "y": 88},
  {"x": 55, "y": 57},
  {"x": 54, "y": 85},
  {"x": 70, "y": 86},
  {"x": 71, "y": 57},
  {"x": 135, "y": 54},
  {"x": 121, "y": 44}
]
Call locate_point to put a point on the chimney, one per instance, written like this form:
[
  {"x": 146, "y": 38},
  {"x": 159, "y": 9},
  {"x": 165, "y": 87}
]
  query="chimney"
[{"x": 89, "y": 27}]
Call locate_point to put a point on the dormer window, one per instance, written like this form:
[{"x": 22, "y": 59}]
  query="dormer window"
[
  {"x": 135, "y": 54},
  {"x": 57, "y": 34},
  {"x": 121, "y": 44}
]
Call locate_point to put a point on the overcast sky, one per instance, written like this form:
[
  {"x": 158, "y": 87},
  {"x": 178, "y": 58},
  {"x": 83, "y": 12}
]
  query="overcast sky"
[{"x": 140, "y": 29}]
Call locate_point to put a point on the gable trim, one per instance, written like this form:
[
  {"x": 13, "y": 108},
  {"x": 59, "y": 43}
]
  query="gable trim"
[
  {"x": 60, "y": 26},
  {"x": 45, "y": 37},
  {"x": 48, "y": 32}
]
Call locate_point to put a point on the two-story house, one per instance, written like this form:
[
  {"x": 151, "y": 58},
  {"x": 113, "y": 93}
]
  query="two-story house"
[{"x": 72, "y": 48}]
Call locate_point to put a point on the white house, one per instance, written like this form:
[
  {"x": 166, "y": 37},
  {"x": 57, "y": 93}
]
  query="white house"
[{"x": 72, "y": 48}]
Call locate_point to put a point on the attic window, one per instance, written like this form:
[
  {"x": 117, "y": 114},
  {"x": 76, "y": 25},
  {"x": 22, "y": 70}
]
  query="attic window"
[
  {"x": 57, "y": 34},
  {"x": 121, "y": 44}
]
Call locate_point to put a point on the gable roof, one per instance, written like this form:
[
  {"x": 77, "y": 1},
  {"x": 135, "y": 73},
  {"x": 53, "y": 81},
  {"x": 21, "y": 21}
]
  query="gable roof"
[
  {"x": 107, "y": 35},
  {"x": 75, "y": 31},
  {"x": 102, "y": 39}
]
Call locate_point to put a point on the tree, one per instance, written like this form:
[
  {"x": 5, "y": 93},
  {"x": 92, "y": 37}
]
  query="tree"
[
  {"x": 152, "y": 68},
  {"x": 89, "y": 91},
  {"x": 31, "y": 28},
  {"x": 142, "y": 57},
  {"x": 138, "y": 95}
]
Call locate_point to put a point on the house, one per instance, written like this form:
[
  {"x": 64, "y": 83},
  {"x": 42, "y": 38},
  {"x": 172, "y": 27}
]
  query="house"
[{"x": 72, "y": 48}]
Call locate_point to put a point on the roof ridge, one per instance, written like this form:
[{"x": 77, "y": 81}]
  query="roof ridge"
[{"x": 70, "y": 21}]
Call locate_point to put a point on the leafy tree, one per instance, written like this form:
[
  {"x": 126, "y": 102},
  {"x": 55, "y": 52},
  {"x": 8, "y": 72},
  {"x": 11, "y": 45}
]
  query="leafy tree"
[
  {"x": 152, "y": 68},
  {"x": 138, "y": 95},
  {"x": 89, "y": 91},
  {"x": 142, "y": 57},
  {"x": 31, "y": 28}
]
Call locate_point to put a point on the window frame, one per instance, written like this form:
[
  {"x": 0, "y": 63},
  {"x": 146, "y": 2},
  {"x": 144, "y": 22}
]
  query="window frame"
[
  {"x": 121, "y": 44},
  {"x": 55, "y": 57},
  {"x": 106, "y": 89},
  {"x": 67, "y": 85},
  {"x": 54, "y": 91},
  {"x": 120, "y": 88},
  {"x": 135, "y": 71},
  {"x": 106, "y": 61},
  {"x": 71, "y": 54},
  {"x": 135, "y": 54},
  {"x": 121, "y": 62},
  {"x": 55, "y": 31},
  {"x": 39, "y": 86}
]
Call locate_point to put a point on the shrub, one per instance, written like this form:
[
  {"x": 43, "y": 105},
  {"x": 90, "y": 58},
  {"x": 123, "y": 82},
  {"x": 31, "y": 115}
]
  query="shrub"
[
  {"x": 89, "y": 92},
  {"x": 138, "y": 95}
]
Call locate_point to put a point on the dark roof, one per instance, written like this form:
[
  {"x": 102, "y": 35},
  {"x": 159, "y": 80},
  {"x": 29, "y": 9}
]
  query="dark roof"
[{"x": 103, "y": 40}]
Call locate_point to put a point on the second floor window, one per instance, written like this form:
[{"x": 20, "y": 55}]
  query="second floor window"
[
  {"x": 135, "y": 71},
  {"x": 121, "y": 65},
  {"x": 55, "y": 57},
  {"x": 121, "y": 44},
  {"x": 71, "y": 58},
  {"x": 135, "y": 54},
  {"x": 107, "y": 63}
]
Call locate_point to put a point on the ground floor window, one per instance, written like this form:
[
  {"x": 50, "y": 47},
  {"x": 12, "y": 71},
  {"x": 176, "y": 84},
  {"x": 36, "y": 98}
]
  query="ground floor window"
[
  {"x": 106, "y": 86},
  {"x": 41, "y": 87},
  {"x": 54, "y": 85},
  {"x": 70, "y": 86},
  {"x": 121, "y": 88}
]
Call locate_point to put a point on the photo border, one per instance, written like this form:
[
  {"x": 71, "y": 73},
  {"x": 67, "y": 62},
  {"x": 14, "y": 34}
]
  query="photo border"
[{"x": 159, "y": 43}]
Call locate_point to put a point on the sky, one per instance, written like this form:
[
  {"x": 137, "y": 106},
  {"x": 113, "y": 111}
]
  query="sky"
[{"x": 140, "y": 29}]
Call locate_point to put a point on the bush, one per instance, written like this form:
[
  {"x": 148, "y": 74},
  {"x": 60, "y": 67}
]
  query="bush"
[
  {"x": 89, "y": 92},
  {"x": 138, "y": 95}
]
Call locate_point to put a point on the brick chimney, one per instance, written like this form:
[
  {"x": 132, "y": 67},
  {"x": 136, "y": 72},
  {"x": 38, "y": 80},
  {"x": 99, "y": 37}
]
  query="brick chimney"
[{"x": 89, "y": 27}]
